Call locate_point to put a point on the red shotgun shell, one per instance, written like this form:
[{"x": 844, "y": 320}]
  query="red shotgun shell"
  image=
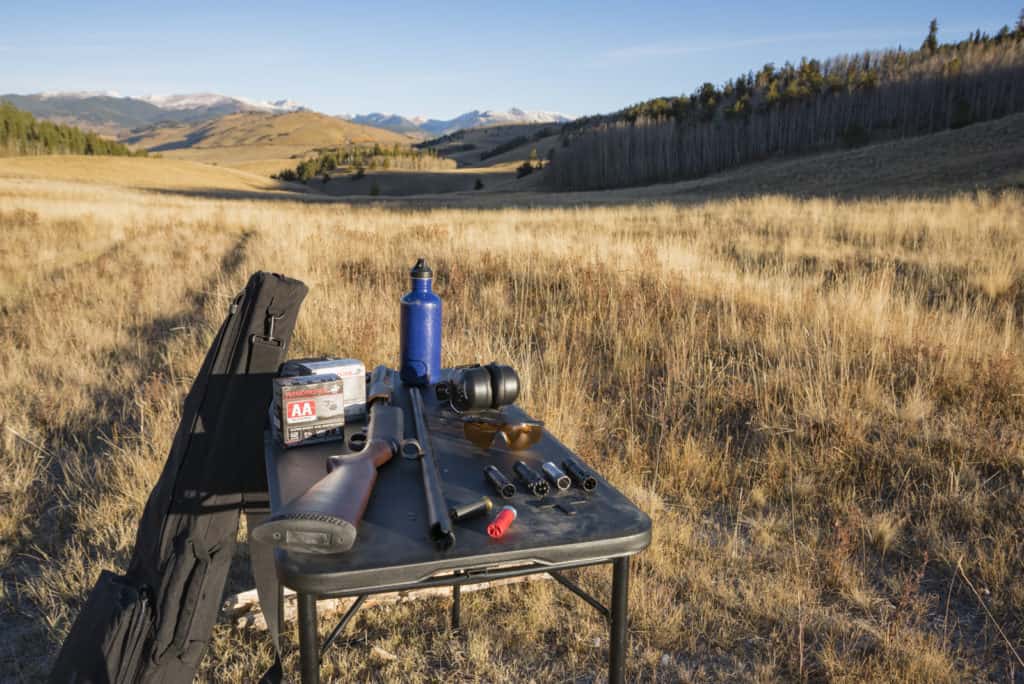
[{"x": 501, "y": 522}]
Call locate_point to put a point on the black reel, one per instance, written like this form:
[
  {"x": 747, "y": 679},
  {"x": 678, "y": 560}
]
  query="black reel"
[{"x": 479, "y": 388}]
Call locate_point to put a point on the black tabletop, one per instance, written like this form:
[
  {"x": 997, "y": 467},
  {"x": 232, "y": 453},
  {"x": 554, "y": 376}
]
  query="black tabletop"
[{"x": 393, "y": 548}]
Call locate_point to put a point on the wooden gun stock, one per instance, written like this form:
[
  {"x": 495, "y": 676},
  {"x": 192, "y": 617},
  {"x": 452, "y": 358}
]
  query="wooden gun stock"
[{"x": 324, "y": 518}]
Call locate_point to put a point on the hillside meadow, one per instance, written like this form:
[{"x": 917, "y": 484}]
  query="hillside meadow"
[{"x": 820, "y": 403}]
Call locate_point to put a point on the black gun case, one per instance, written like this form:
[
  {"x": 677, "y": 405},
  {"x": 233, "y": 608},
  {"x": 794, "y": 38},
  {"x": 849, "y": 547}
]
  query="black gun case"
[{"x": 153, "y": 623}]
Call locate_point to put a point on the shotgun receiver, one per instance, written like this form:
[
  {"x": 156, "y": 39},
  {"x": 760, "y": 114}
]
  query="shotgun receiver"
[{"x": 324, "y": 518}]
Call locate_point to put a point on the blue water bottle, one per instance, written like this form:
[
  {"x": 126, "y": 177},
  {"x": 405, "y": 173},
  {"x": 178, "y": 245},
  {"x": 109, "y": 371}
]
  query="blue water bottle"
[{"x": 420, "y": 341}]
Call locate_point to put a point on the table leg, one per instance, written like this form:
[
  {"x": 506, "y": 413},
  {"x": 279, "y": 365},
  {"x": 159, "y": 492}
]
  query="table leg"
[
  {"x": 620, "y": 607},
  {"x": 456, "y": 607},
  {"x": 309, "y": 648}
]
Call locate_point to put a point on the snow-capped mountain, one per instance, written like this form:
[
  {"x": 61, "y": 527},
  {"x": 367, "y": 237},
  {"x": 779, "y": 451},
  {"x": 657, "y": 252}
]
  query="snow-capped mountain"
[
  {"x": 473, "y": 119},
  {"x": 79, "y": 94},
  {"x": 207, "y": 100},
  {"x": 490, "y": 117},
  {"x": 111, "y": 113}
]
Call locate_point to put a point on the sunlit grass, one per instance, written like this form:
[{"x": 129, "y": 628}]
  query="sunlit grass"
[{"x": 820, "y": 404}]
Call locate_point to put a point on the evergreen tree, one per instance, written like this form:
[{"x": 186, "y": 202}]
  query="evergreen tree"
[
  {"x": 792, "y": 109},
  {"x": 306, "y": 170},
  {"x": 931, "y": 42}
]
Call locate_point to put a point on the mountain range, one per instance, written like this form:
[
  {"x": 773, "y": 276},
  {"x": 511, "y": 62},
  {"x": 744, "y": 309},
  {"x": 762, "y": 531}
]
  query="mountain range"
[
  {"x": 112, "y": 114},
  {"x": 472, "y": 119}
]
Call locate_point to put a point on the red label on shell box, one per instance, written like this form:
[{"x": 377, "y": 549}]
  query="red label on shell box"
[{"x": 301, "y": 411}]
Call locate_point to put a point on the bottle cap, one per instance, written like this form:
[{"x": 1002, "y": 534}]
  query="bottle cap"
[{"x": 421, "y": 270}]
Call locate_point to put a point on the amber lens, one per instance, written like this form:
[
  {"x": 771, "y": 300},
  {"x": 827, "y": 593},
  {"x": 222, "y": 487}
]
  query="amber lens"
[
  {"x": 521, "y": 436},
  {"x": 480, "y": 435}
]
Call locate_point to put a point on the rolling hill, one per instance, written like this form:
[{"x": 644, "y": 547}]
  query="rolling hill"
[
  {"x": 307, "y": 129},
  {"x": 258, "y": 142}
]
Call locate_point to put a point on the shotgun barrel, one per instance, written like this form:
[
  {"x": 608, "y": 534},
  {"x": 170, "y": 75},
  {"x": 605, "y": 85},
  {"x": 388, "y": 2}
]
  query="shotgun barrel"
[{"x": 437, "y": 512}]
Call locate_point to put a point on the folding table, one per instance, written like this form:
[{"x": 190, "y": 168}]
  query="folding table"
[{"x": 394, "y": 552}]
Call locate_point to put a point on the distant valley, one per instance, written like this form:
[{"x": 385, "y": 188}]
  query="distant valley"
[{"x": 787, "y": 110}]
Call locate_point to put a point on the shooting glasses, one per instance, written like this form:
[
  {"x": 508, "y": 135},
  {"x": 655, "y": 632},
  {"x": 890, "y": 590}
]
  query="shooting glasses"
[{"x": 519, "y": 434}]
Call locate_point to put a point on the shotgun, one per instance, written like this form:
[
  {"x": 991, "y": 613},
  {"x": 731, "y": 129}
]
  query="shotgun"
[{"x": 324, "y": 519}]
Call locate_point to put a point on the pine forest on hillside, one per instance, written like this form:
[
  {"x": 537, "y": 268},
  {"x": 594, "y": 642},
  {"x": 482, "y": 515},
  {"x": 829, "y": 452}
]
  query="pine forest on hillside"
[
  {"x": 22, "y": 134},
  {"x": 848, "y": 101}
]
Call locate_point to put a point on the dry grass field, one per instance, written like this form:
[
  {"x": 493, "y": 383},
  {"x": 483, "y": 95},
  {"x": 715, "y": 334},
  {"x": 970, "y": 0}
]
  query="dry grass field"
[
  {"x": 400, "y": 183},
  {"x": 168, "y": 175},
  {"x": 819, "y": 402},
  {"x": 262, "y": 160}
]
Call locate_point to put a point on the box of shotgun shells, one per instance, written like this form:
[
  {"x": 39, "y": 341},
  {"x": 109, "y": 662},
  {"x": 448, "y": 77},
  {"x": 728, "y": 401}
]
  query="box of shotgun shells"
[
  {"x": 308, "y": 409},
  {"x": 353, "y": 380}
]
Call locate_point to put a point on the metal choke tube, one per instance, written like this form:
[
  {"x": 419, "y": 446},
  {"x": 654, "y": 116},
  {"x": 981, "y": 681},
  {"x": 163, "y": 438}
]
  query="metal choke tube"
[
  {"x": 583, "y": 478},
  {"x": 534, "y": 482},
  {"x": 556, "y": 476},
  {"x": 501, "y": 483}
]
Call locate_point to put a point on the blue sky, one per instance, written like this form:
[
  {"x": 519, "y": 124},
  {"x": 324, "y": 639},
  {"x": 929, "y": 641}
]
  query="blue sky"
[{"x": 441, "y": 60}]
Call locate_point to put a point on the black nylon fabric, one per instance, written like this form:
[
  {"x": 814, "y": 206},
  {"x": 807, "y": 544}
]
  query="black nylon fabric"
[{"x": 168, "y": 600}]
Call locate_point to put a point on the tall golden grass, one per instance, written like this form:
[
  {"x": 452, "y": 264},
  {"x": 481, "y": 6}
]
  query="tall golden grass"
[{"x": 820, "y": 404}]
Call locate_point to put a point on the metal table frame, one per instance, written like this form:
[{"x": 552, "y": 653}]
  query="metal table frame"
[{"x": 311, "y": 650}]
